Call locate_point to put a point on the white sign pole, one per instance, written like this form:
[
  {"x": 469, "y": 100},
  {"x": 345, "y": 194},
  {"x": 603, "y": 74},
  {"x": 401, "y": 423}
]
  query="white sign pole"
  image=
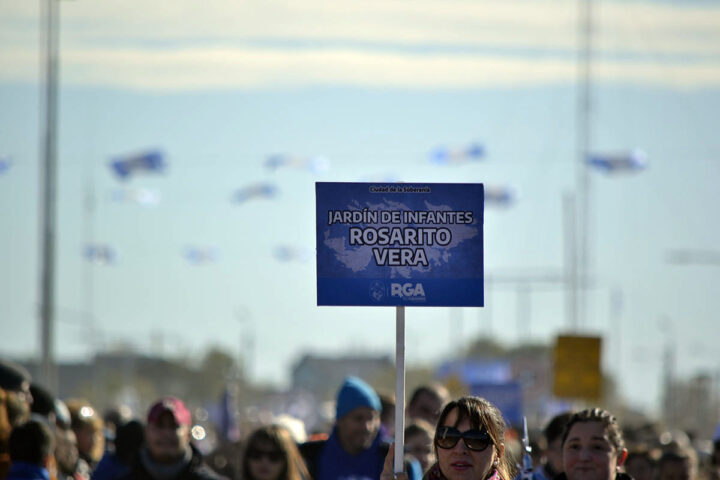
[{"x": 399, "y": 388}]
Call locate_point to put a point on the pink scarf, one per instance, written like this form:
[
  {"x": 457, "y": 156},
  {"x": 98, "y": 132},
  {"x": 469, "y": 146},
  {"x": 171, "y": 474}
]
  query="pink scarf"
[{"x": 435, "y": 474}]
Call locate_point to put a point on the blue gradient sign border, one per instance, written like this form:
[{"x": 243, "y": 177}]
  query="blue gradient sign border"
[{"x": 392, "y": 244}]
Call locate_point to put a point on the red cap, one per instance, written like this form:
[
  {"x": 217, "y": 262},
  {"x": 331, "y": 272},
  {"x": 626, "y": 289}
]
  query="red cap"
[{"x": 173, "y": 405}]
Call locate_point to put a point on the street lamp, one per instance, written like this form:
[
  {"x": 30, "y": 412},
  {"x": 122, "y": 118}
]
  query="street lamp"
[{"x": 48, "y": 182}]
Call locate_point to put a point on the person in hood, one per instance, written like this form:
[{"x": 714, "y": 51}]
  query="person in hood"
[{"x": 355, "y": 449}]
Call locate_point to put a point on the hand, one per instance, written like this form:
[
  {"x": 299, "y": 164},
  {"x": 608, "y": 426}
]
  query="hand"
[{"x": 387, "y": 473}]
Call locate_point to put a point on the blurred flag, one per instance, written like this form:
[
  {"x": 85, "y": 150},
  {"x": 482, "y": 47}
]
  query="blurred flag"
[
  {"x": 141, "y": 196},
  {"x": 476, "y": 371},
  {"x": 126, "y": 166},
  {"x": 450, "y": 156},
  {"x": 497, "y": 195},
  {"x": 313, "y": 164},
  {"x": 198, "y": 255},
  {"x": 5, "y": 164},
  {"x": 99, "y": 254},
  {"x": 285, "y": 253},
  {"x": 619, "y": 162},
  {"x": 227, "y": 425},
  {"x": 256, "y": 190}
]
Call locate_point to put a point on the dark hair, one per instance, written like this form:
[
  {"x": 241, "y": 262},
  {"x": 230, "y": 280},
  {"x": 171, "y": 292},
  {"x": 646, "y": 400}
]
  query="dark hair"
[
  {"x": 387, "y": 404},
  {"x": 418, "y": 426},
  {"x": 434, "y": 390},
  {"x": 12, "y": 375},
  {"x": 640, "y": 453},
  {"x": 43, "y": 401},
  {"x": 128, "y": 439},
  {"x": 608, "y": 421},
  {"x": 680, "y": 455},
  {"x": 481, "y": 414},
  {"x": 556, "y": 427},
  {"x": 279, "y": 437},
  {"x": 31, "y": 442}
]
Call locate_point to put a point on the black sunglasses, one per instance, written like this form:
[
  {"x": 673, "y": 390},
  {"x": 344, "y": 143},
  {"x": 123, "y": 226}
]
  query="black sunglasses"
[
  {"x": 275, "y": 456},
  {"x": 476, "y": 440}
]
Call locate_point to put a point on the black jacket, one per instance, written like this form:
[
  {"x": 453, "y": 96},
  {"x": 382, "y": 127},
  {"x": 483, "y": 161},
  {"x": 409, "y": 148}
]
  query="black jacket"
[
  {"x": 196, "y": 469},
  {"x": 618, "y": 476}
]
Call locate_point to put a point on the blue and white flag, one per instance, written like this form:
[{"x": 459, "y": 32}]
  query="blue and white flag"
[
  {"x": 317, "y": 164},
  {"x": 197, "y": 255},
  {"x": 126, "y": 166},
  {"x": 450, "y": 156},
  {"x": 256, "y": 190},
  {"x": 141, "y": 196},
  {"x": 288, "y": 253},
  {"x": 99, "y": 254},
  {"x": 626, "y": 162},
  {"x": 5, "y": 164},
  {"x": 500, "y": 195}
]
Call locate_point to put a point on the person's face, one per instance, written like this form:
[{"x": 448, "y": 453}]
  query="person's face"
[
  {"x": 66, "y": 452},
  {"x": 166, "y": 440},
  {"x": 588, "y": 453},
  {"x": 357, "y": 429},
  {"x": 675, "y": 470},
  {"x": 461, "y": 463},
  {"x": 86, "y": 438},
  {"x": 426, "y": 407},
  {"x": 553, "y": 455},
  {"x": 265, "y": 462},
  {"x": 18, "y": 404},
  {"x": 419, "y": 446}
]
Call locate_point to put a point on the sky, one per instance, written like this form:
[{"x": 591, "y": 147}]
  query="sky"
[{"x": 371, "y": 87}]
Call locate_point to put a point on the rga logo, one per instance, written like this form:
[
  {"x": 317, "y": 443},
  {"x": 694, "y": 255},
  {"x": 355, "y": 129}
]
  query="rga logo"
[
  {"x": 409, "y": 291},
  {"x": 377, "y": 291}
]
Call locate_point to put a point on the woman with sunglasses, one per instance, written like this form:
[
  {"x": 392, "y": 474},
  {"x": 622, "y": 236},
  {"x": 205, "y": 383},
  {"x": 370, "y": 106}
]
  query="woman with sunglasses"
[
  {"x": 469, "y": 444},
  {"x": 271, "y": 454}
]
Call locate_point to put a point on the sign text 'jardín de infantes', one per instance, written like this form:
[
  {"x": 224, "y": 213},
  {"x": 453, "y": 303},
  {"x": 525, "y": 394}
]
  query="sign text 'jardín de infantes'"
[{"x": 399, "y": 244}]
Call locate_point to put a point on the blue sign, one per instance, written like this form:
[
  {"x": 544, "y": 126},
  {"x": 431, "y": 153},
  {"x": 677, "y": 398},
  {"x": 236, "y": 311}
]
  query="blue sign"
[
  {"x": 507, "y": 397},
  {"x": 476, "y": 371},
  {"x": 399, "y": 244}
]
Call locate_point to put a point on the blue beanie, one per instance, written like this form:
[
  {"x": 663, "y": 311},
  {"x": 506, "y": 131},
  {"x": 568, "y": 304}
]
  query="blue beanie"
[{"x": 355, "y": 393}]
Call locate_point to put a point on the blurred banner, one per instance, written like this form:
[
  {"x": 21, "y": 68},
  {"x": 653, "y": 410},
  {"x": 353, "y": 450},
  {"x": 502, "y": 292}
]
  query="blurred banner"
[
  {"x": 472, "y": 372},
  {"x": 507, "y": 397},
  {"x": 490, "y": 379},
  {"x": 577, "y": 367}
]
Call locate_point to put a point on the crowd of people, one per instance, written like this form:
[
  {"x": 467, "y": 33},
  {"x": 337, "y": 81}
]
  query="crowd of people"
[{"x": 45, "y": 438}]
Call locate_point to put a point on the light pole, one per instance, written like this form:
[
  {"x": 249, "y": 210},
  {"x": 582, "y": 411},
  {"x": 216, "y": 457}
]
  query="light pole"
[
  {"x": 246, "y": 344},
  {"x": 583, "y": 139},
  {"x": 48, "y": 181}
]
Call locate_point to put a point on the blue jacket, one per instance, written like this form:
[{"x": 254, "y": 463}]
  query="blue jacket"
[
  {"x": 327, "y": 460},
  {"x": 27, "y": 471},
  {"x": 110, "y": 468}
]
